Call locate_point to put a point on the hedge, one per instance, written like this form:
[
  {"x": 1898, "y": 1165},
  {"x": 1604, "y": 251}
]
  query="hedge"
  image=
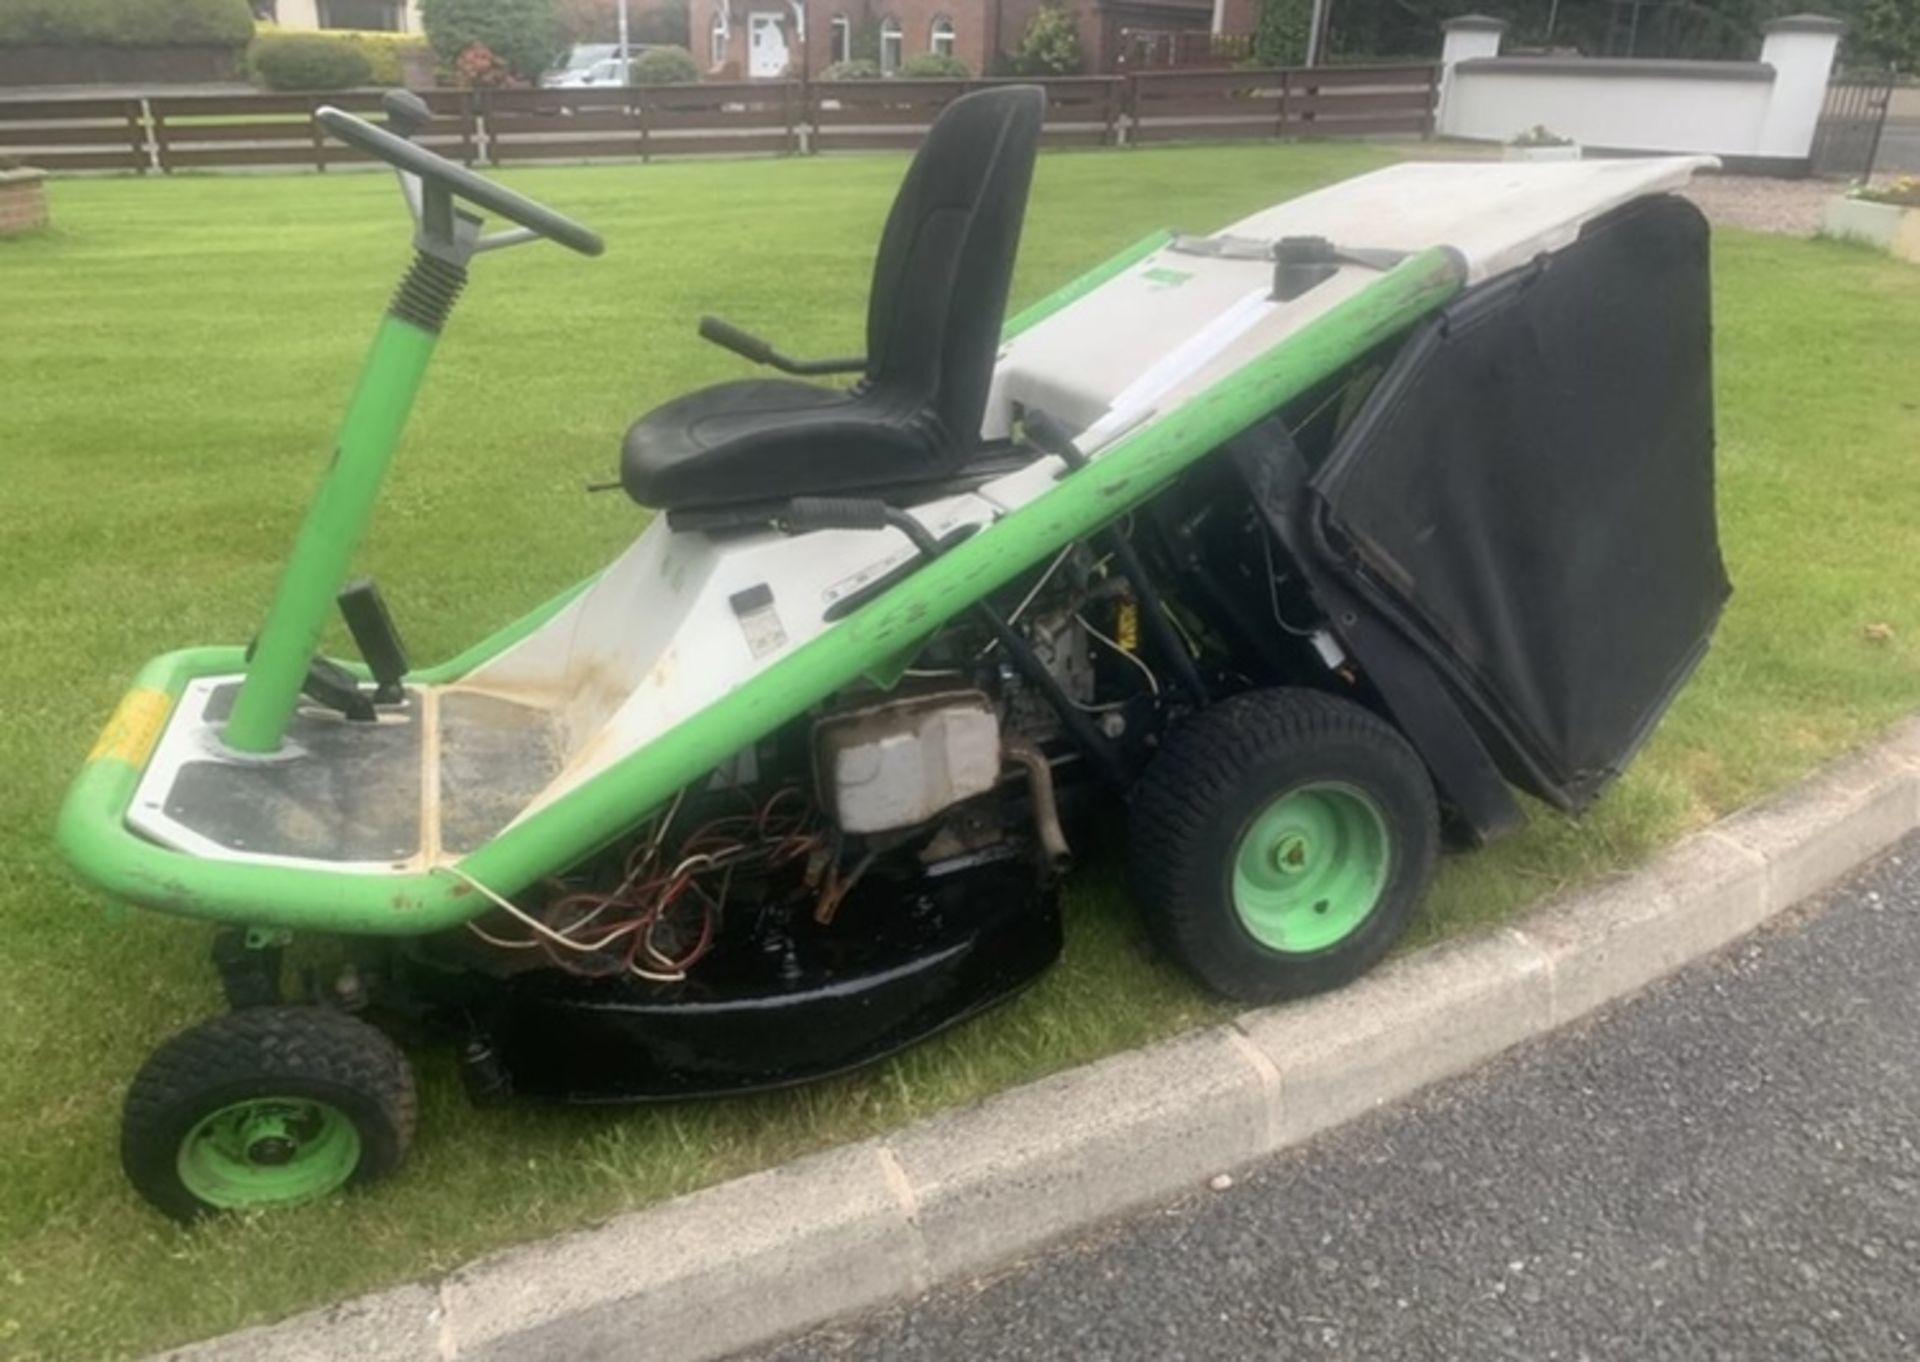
[
  {"x": 382, "y": 50},
  {"x": 125, "y": 23},
  {"x": 309, "y": 61},
  {"x": 935, "y": 65},
  {"x": 663, "y": 66}
]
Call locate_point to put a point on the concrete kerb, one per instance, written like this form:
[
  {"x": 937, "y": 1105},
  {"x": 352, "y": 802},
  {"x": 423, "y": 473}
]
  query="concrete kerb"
[{"x": 791, "y": 1248}]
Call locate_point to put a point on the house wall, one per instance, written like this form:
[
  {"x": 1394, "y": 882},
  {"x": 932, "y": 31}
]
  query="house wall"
[
  {"x": 983, "y": 29},
  {"x": 969, "y": 19},
  {"x": 1763, "y": 113}
]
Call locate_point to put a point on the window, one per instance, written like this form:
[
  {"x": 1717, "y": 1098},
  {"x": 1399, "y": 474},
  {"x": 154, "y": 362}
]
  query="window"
[
  {"x": 717, "y": 39},
  {"x": 890, "y": 46},
  {"x": 840, "y": 39},
  {"x": 942, "y": 44},
  {"x": 384, "y": 16}
]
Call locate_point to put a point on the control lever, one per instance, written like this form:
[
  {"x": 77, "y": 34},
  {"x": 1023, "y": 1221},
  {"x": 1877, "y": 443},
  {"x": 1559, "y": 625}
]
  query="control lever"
[
  {"x": 376, "y": 638},
  {"x": 751, "y": 348}
]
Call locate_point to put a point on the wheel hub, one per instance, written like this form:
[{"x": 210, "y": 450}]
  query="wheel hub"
[
  {"x": 273, "y": 1151},
  {"x": 1309, "y": 868}
]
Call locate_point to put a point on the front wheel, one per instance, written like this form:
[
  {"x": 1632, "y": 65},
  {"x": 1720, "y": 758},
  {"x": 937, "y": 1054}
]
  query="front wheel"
[
  {"x": 266, "y": 1107},
  {"x": 1281, "y": 843}
]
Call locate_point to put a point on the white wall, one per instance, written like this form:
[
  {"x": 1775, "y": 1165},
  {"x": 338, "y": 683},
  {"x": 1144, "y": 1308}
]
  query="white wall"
[
  {"x": 1766, "y": 109},
  {"x": 1618, "y": 109}
]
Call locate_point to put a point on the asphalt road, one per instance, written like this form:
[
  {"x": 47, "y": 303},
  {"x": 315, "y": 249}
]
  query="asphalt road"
[
  {"x": 1899, "y": 151},
  {"x": 1727, "y": 1166}
]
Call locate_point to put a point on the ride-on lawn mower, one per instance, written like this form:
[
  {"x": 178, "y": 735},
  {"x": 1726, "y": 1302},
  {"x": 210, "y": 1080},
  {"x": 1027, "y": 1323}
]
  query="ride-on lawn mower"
[{"x": 1290, "y": 550}]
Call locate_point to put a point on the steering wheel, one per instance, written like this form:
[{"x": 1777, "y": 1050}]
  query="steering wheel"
[{"x": 437, "y": 171}]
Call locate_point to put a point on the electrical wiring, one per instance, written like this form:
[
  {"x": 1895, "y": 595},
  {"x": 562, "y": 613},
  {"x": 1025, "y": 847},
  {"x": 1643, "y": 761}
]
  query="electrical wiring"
[
  {"x": 1032, "y": 595},
  {"x": 1273, "y": 588},
  {"x": 1153, "y": 682},
  {"x": 626, "y": 929}
]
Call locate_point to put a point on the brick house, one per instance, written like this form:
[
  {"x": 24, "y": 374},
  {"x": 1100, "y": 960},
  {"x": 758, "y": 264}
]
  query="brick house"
[{"x": 768, "y": 39}]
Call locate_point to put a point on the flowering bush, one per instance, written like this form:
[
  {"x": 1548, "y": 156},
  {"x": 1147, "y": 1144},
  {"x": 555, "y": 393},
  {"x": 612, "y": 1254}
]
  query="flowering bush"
[
  {"x": 1901, "y": 193},
  {"x": 478, "y": 69}
]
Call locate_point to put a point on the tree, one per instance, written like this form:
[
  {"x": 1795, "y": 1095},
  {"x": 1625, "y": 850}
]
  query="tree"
[
  {"x": 125, "y": 23},
  {"x": 1280, "y": 32},
  {"x": 1050, "y": 46},
  {"x": 524, "y": 34},
  {"x": 1888, "y": 34},
  {"x": 655, "y": 22}
]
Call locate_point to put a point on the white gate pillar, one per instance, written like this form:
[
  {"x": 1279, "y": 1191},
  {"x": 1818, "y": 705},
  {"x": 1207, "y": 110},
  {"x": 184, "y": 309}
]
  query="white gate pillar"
[
  {"x": 1800, "y": 48},
  {"x": 1465, "y": 37}
]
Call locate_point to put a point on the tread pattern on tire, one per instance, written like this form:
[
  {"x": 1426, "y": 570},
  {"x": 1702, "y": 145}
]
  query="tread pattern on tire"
[
  {"x": 1196, "y": 771},
  {"x": 313, "y": 1045}
]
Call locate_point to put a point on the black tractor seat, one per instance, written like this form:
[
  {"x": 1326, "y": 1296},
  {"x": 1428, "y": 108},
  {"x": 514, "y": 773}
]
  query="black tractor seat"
[{"x": 939, "y": 297}]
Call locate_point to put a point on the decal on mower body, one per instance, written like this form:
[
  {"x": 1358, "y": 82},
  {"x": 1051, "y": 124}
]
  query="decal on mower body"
[{"x": 133, "y": 729}]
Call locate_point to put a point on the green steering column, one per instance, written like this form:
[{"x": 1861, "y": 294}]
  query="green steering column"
[{"x": 375, "y": 418}]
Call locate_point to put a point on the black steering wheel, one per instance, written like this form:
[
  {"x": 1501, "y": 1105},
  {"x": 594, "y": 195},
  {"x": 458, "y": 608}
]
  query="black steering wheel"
[{"x": 457, "y": 180}]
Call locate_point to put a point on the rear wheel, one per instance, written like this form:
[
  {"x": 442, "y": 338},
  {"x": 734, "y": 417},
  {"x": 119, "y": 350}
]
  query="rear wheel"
[
  {"x": 267, "y": 1107},
  {"x": 1281, "y": 843}
]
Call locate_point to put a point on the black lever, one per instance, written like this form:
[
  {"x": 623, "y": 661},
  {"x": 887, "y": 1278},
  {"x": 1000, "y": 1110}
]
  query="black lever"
[
  {"x": 751, "y": 348},
  {"x": 376, "y": 638},
  {"x": 330, "y": 684}
]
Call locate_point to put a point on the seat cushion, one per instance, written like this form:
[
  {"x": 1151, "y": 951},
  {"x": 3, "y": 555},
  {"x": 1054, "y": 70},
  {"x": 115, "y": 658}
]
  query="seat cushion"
[{"x": 764, "y": 439}]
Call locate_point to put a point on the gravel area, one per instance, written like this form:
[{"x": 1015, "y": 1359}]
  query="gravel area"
[
  {"x": 1789, "y": 207},
  {"x": 1750, "y": 202}
]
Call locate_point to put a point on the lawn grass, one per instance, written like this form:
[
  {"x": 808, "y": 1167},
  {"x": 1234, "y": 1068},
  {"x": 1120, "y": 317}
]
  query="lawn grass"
[{"x": 172, "y": 358}]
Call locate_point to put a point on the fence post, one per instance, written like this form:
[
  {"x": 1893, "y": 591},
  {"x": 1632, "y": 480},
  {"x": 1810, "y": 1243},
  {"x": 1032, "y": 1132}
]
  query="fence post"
[
  {"x": 469, "y": 133},
  {"x": 643, "y": 114},
  {"x": 1129, "y": 124},
  {"x": 140, "y": 134},
  {"x": 1286, "y": 95},
  {"x": 162, "y": 148}
]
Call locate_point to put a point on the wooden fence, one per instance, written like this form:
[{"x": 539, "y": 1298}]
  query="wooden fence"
[{"x": 195, "y": 132}]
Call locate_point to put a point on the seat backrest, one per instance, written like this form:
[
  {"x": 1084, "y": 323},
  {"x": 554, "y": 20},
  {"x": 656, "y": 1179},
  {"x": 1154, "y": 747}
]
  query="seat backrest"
[{"x": 946, "y": 258}]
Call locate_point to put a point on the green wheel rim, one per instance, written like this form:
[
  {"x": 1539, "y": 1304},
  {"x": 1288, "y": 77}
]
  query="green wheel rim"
[
  {"x": 271, "y": 1151},
  {"x": 1309, "y": 868}
]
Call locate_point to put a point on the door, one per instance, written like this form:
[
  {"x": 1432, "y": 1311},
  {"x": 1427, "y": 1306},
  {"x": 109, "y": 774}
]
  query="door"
[{"x": 766, "y": 47}]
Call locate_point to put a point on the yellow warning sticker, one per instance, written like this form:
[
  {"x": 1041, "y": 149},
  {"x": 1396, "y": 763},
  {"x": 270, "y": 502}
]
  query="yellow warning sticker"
[{"x": 134, "y": 728}]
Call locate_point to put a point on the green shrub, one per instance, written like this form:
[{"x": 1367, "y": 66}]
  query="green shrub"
[
  {"x": 125, "y": 23},
  {"x": 308, "y": 61},
  {"x": 859, "y": 68},
  {"x": 935, "y": 65},
  {"x": 1280, "y": 32},
  {"x": 384, "y": 51},
  {"x": 1050, "y": 46},
  {"x": 523, "y": 34},
  {"x": 664, "y": 66}
]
